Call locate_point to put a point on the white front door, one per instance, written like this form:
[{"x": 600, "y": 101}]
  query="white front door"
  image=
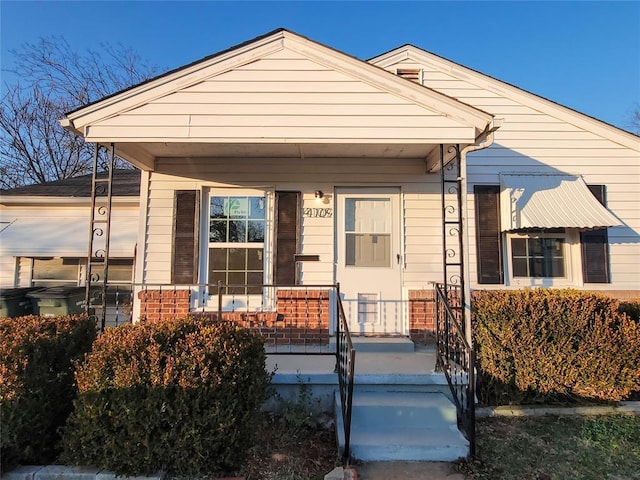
[{"x": 369, "y": 259}]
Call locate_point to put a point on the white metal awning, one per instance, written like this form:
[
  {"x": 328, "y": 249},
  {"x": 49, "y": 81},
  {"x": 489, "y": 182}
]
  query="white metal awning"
[{"x": 550, "y": 201}]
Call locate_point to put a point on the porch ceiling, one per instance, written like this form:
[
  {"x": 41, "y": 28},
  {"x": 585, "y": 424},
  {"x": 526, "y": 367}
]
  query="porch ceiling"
[{"x": 143, "y": 155}]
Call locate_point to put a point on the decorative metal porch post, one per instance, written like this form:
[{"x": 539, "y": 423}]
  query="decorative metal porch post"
[
  {"x": 455, "y": 354},
  {"x": 452, "y": 231},
  {"x": 97, "y": 270}
]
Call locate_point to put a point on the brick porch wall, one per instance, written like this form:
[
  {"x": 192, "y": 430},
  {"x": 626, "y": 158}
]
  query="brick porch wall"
[
  {"x": 302, "y": 316},
  {"x": 156, "y": 305},
  {"x": 422, "y": 316}
]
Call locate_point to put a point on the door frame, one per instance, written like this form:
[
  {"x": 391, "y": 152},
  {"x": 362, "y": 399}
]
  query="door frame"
[{"x": 339, "y": 191}]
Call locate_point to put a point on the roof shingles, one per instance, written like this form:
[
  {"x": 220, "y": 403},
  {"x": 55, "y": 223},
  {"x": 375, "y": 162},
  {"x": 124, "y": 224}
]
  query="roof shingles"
[{"x": 126, "y": 183}]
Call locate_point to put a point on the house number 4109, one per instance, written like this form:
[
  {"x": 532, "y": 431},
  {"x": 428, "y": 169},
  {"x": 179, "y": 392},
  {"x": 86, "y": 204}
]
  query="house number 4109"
[{"x": 317, "y": 212}]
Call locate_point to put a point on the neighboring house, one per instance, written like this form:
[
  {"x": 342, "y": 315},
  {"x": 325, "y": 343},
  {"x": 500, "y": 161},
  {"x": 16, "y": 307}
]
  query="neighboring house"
[
  {"x": 44, "y": 232},
  {"x": 282, "y": 146}
]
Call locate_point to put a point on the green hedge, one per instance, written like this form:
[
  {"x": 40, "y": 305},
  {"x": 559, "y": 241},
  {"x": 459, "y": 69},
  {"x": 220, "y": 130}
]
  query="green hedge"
[
  {"x": 37, "y": 387},
  {"x": 181, "y": 396},
  {"x": 547, "y": 345}
]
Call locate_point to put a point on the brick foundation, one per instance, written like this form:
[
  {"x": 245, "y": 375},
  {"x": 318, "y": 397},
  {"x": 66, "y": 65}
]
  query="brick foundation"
[
  {"x": 422, "y": 316},
  {"x": 301, "y": 316},
  {"x": 156, "y": 305}
]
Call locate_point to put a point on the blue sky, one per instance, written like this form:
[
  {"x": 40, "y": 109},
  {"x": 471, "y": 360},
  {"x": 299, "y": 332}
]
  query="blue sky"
[{"x": 585, "y": 55}]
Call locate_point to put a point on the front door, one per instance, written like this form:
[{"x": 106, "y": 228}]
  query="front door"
[{"x": 369, "y": 259}]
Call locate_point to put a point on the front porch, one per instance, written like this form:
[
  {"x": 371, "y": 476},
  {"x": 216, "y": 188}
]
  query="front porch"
[
  {"x": 402, "y": 407},
  {"x": 381, "y": 363},
  {"x": 393, "y": 398},
  {"x": 290, "y": 318}
]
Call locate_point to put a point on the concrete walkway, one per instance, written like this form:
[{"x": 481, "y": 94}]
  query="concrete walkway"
[
  {"x": 396, "y": 471},
  {"x": 407, "y": 470}
]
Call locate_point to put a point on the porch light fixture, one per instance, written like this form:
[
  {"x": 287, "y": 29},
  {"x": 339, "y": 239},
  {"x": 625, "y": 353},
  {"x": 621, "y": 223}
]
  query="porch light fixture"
[{"x": 319, "y": 195}]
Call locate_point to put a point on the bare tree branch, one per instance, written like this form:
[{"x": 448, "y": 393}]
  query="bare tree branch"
[
  {"x": 55, "y": 79},
  {"x": 634, "y": 121}
]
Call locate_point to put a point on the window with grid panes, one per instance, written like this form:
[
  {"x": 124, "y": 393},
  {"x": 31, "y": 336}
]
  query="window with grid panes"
[
  {"x": 236, "y": 242},
  {"x": 539, "y": 255}
]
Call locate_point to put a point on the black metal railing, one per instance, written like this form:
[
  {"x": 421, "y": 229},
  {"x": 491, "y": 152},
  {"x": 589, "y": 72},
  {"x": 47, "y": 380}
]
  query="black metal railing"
[
  {"x": 293, "y": 319},
  {"x": 346, "y": 359},
  {"x": 455, "y": 357}
]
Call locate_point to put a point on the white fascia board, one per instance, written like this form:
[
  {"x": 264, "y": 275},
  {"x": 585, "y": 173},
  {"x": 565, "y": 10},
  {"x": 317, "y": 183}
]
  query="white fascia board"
[
  {"x": 382, "y": 79},
  {"x": 517, "y": 94},
  {"x": 183, "y": 78}
]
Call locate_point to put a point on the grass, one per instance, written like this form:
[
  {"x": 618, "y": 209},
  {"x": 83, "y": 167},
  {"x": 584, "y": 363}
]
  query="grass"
[{"x": 556, "y": 447}]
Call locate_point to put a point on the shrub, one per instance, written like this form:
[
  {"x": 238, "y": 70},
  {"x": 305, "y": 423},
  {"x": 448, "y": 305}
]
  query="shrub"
[
  {"x": 631, "y": 308},
  {"x": 37, "y": 387},
  {"x": 179, "y": 395},
  {"x": 546, "y": 345}
]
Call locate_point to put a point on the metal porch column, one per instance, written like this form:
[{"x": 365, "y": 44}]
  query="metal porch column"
[
  {"x": 97, "y": 270},
  {"x": 452, "y": 232}
]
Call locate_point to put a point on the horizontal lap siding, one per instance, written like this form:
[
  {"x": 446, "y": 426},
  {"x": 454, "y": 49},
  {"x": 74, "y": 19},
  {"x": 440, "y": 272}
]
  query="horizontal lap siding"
[
  {"x": 532, "y": 141},
  {"x": 7, "y": 271},
  {"x": 276, "y": 98},
  {"x": 23, "y": 273},
  {"x": 421, "y": 205}
]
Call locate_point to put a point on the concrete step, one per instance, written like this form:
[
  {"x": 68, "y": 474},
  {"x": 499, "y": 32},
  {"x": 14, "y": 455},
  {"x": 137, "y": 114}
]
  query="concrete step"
[
  {"x": 380, "y": 344},
  {"x": 403, "y": 426},
  {"x": 403, "y": 410}
]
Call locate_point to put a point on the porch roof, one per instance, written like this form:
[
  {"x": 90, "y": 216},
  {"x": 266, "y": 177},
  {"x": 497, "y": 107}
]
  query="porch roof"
[{"x": 280, "y": 95}]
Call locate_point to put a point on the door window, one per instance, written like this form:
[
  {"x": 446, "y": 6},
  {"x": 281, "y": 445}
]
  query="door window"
[{"x": 368, "y": 232}]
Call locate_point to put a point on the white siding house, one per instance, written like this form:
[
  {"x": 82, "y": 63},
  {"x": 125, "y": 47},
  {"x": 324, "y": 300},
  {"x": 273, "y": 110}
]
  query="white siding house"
[
  {"x": 540, "y": 137},
  {"x": 282, "y": 146},
  {"x": 45, "y": 231}
]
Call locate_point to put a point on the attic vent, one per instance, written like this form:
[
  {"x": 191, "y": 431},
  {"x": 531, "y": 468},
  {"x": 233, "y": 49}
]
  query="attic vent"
[{"x": 413, "y": 74}]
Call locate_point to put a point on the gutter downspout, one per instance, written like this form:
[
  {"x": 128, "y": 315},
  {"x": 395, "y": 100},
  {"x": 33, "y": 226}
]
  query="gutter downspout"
[
  {"x": 141, "y": 246},
  {"x": 484, "y": 140}
]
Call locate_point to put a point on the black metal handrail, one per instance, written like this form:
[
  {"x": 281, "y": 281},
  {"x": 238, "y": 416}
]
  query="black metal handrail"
[
  {"x": 456, "y": 358},
  {"x": 346, "y": 359}
]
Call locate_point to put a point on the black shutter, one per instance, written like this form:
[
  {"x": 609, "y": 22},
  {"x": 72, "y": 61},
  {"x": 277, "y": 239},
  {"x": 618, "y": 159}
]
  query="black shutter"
[
  {"x": 488, "y": 234},
  {"x": 287, "y": 237},
  {"x": 185, "y": 237},
  {"x": 595, "y": 247}
]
